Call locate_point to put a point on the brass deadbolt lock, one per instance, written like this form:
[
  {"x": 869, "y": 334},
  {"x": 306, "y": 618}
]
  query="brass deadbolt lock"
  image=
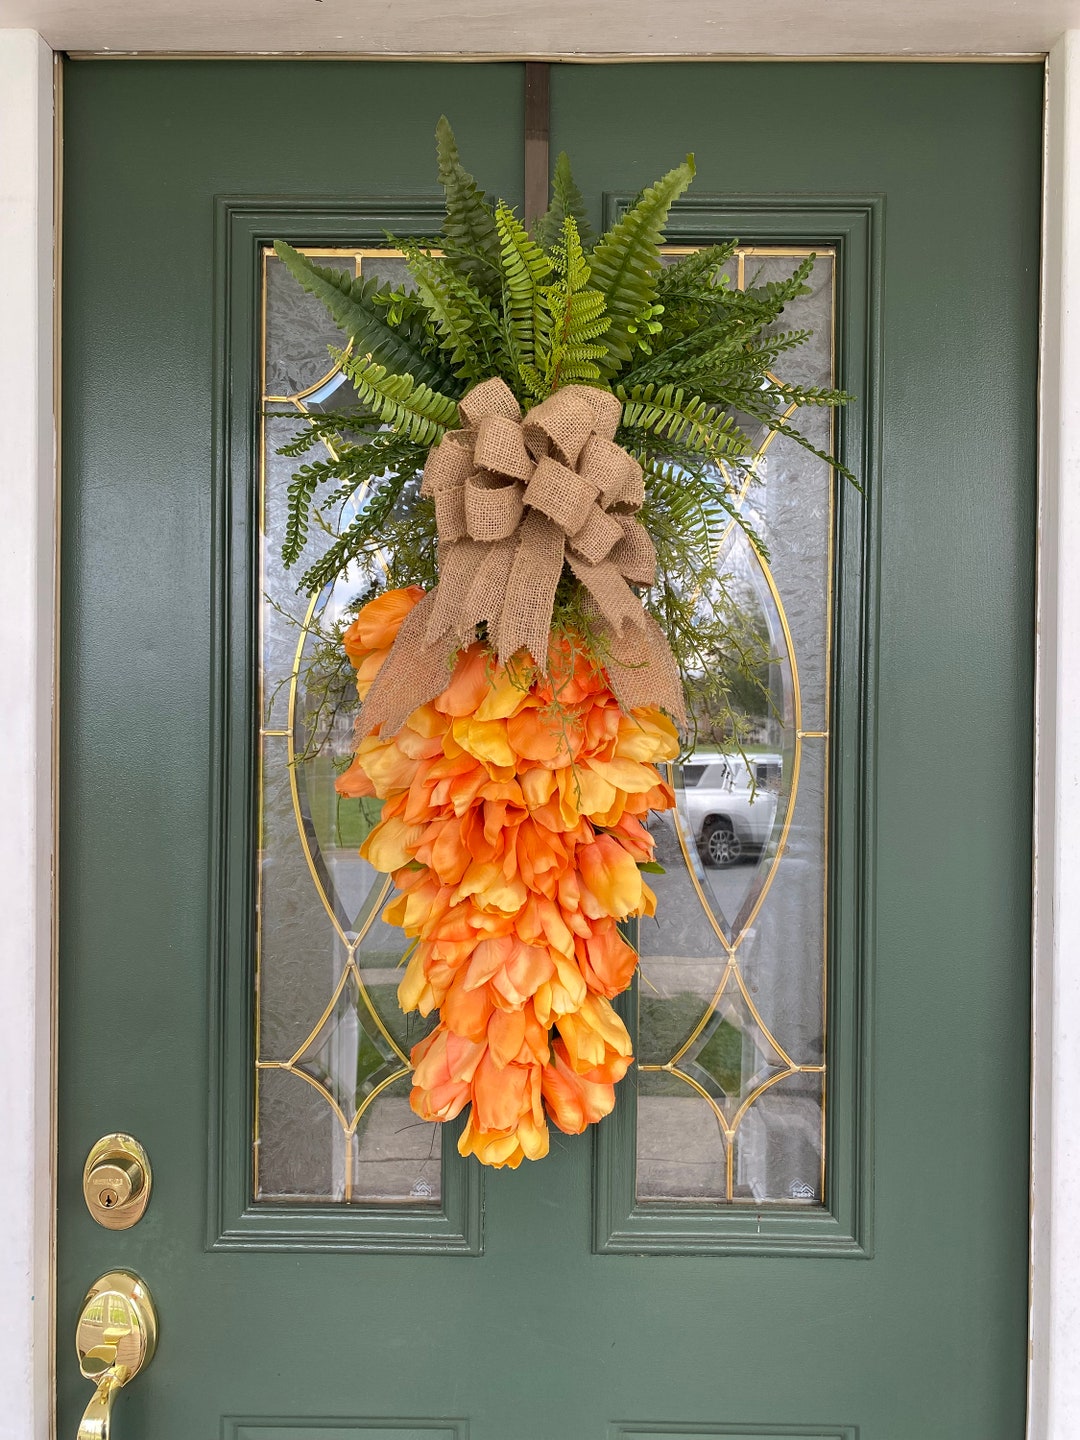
[{"x": 116, "y": 1182}]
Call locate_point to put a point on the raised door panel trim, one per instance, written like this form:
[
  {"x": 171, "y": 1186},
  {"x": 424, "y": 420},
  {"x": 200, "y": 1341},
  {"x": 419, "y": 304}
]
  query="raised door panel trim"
[
  {"x": 378, "y": 1428},
  {"x": 242, "y": 227},
  {"x": 854, "y": 227},
  {"x": 734, "y": 1432}
]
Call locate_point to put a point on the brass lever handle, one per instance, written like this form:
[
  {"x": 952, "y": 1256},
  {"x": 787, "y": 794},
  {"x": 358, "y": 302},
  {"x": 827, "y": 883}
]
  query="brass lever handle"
[{"x": 115, "y": 1338}]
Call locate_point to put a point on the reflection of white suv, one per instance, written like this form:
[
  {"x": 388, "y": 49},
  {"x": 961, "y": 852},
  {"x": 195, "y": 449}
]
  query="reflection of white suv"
[{"x": 731, "y": 803}]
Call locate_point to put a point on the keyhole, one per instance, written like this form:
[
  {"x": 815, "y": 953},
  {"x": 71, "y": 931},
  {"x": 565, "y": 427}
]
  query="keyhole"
[{"x": 107, "y": 1198}]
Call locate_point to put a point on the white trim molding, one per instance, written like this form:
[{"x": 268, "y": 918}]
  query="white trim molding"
[
  {"x": 1054, "y": 1405},
  {"x": 554, "y": 29},
  {"x": 28, "y": 528}
]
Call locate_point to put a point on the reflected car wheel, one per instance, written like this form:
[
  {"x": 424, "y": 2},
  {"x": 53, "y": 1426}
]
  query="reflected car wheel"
[{"x": 721, "y": 845}]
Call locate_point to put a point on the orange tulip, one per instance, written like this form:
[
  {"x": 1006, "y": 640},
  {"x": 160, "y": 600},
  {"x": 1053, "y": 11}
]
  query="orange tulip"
[
  {"x": 443, "y": 1068},
  {"x": 528, "y": 1140},
  {"x": 611, "y": 881},
  {"x": 514, "y": 1097},
  {"x": 469, "y": 683},
  {"x": 355, "y": 782},
  {"x": 605, "y": 959},
  {"x": 571, "y": 1101},
  {"x": 469, "y": 1011},
  {"x": 647, "y": 736},
  {"x": 511, "y": 970},
  {"x": 377, "y": 625},
  {"x": 596, "y": 1041},
  {"x": 391, "y": 844},
  {"x": 550, "y": 739},
  {"x": 387, "y": 766}
]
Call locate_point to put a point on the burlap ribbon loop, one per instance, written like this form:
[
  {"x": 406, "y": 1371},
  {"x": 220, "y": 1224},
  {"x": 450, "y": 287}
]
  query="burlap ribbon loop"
[{"x": 516, "y": 499}]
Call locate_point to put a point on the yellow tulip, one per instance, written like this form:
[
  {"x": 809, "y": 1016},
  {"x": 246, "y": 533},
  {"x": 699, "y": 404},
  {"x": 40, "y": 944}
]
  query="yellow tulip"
[
  {"x": 485, "y": 740},
  {"x": 506, "y": 696},
  {"x": 647, "y": 735},
  {"x": 390, "y": 845},
  {"x": 610, "y": 876}
]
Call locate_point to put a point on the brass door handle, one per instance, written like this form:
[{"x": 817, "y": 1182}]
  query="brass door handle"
[{"x": 115, "y": 1339}]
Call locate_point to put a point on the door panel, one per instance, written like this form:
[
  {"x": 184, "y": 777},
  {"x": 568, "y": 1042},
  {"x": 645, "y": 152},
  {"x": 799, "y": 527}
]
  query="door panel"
[{"x": 907, "y": 1317}]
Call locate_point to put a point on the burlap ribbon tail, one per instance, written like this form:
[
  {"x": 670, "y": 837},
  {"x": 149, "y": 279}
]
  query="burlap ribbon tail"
[{"x": 516, "y": 498}]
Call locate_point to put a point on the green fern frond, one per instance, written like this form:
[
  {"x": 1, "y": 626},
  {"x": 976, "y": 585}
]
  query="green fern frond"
[
  {"x": 812, "y": 395},
  {"x": 782, "y": 428},
  {"x": 770, "y": 349},
  {"x": 777, "y": 293},
  {"x": 470, "y": 238},
  {"x": 352, "y": 464},
  {"x": 705, "y": 351},
  {"x": 398, "y": 533},
  {"x": 626, "y": 261},
  {"x": 669, "y": 413},
  {"x": 299, "y": 496},
  {"x": 399, "y": 401},
  {"x": 525, "y": 268},
  {"x": 404, "y": 349},
  {"x": 571, "y": 317},
  {"x": 688, "y": 274},
  {"x": 467, "y": 324},
  {"x": 566, "y": 200},
  {"x": 678, "y": 507},
  {"x": 319, "y": 426}
]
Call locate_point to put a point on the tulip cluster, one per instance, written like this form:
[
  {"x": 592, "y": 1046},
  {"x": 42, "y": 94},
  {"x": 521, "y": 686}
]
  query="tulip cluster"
[{"x": 512, "y": 823}]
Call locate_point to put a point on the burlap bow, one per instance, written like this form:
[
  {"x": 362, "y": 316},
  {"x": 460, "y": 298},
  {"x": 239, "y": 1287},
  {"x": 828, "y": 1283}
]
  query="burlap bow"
[{"x": 515, "y": 499}]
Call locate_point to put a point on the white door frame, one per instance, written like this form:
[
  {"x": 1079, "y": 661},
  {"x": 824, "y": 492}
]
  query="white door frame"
[
  {"x": 29, "y": 521},
  {"x": 28, "y": 532}
]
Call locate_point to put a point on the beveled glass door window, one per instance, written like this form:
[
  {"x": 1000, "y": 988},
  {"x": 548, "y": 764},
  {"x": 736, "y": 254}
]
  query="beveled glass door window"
[
  {"x": 731, "y": 989},
  {"x": 332, "y": 1064},
  {"x": 731, "y": 993}
]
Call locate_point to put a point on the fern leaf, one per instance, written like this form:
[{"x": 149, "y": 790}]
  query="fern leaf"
[
  {"x": 781, "y": 428},
  {"x": 349, "y": 300},
  {"x": 378, "y": 454},
  {"x": 669, "y": 413},
  {"x": 626, "y": 261},
  {"x": 813, "y": 395},
  {"x": 300, "y": 494},
  {"x": 691, "y": 272},
  {"x": 469, "y": 328},
  {"x": 470, "y": 237},
  {"x": 778, "y": 292},
  {"x": 566, "y": 199},
  {"x": 399, "y": 401},
  {"x": 525, "y": 268},
  {"x": 571, "y": 317}
]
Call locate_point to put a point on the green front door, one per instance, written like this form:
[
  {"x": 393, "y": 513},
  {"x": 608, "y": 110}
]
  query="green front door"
[{"x": 808, "y": 1215}]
